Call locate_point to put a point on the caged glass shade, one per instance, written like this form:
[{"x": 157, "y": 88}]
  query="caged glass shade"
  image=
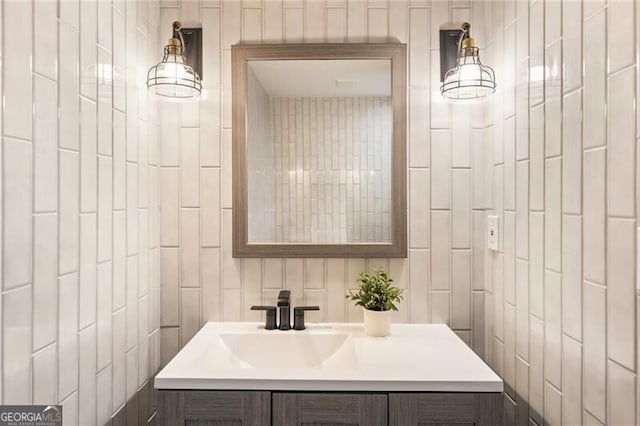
[
  {"x": 173, "y": 79},
  {"x": 469, "y": 80}
]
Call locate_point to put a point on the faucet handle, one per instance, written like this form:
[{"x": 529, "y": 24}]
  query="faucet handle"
[
  {"x": 283, "y": 297},
  {"x": 271, "y": 315},
  {"x": 298, "y": 316}
]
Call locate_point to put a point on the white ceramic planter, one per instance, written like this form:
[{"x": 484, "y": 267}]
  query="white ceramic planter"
[{"x": 377, "y": 323}]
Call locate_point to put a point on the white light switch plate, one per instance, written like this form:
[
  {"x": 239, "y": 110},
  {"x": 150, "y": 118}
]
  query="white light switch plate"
[{"x": 492, "y": 232}]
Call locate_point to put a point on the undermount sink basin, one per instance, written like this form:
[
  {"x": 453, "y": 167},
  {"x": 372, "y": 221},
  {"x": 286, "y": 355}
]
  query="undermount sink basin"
[{"x": 291, "y": 349}]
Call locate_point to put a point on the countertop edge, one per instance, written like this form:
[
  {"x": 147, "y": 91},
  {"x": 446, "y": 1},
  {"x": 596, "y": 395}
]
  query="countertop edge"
[{"x": 328, "y": 385}]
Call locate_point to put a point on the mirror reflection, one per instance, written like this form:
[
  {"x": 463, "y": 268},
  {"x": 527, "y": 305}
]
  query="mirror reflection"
[{"x": 319, "y": 138}]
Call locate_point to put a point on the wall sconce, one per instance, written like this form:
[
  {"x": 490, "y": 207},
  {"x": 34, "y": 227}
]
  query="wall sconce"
[
  {"x": 175, "y": 78},
  {"x": 468, "y": 80}
]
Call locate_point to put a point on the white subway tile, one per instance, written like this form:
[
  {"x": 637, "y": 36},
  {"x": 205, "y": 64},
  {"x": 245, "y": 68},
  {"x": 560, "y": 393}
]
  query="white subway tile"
[
  {"x": 67, "y": 335},
  {"x": 620, "y": 50},
  {"x": 398, "y": 18},
  {"x": 211, "y": 285},
  {"x": 419, "y": 285},
  {"x": 87, "y": 376},
  {"x": 170, "y": 278},
  {"x": 105, "y": 209},
  {"x": 17, "y": 223},
  {"x": 68, "y": 87},
  {"x": 143, "y": 340},
  {"x": 461, "y": 289},
  {"x": 45, "y": 279},
  {"x": 594, "y": 215},
  {"x": 336, "y": 24},
  {"x": 18, "y": 19},
  {"x": 190, "y": 176},
  {"x": 119, "y": 363},
  {"x": 69, "y": 210},
  {"x": 314, "y": 273},
  {"x": 553, "y": 215},
  {"x": 231, "y": 267},
  {"x": 571, "y": 381},
  {"x": 522, "y": 209},
  {"x": 552, "y": 405},
  {"x": 572, "y": 153},
  {"x": 536, "y": 264},
  {"x": 88, "y": 160},
  {"x": 45, "y": 41},
  {"x": 226, "y": 171},
  {"x": 594, "y": 44},
  {"x": 440, "y": 169},
  {"x": 210, "y": 198},
  {"x": 45, "y": 365},
  {"x": 509, "y": 164},
  {"x": 170, "y": 212},
  {"x": 461, "y": 209},
  {"x": 104, "y": 315},
  {"x": 16, "y": 345},
  {"x": 190, "y": 248},
  {"x": 621, "y": 303},
  {"x": 621, "y": 145},
  {"x": 572, "y": 276},
  {"x": 45, "y": 145},
  {"x": 104, "y": 104},
  {"x": 103, "y": 388},
  {"x": 571, "y": 45},
  {"x": 232, "y": 305},
  {"x": 536, "y": 371},
  {"x": 509, "y": 373},
  {"x": 418, "y": 127},
  {"x": 132, "y": 207},
  {"x": 119, "y": 161},
  {"x": 119, "y": 259},
  {"x": 87, "y": 278},
  {"x": 440, "y": 250},
  {"x": 553, "y": 328},
  {"x": 190, "y": 319},
  {"x": 594, "y": 352},
  {"x": 419, "y": 200},
  {"x": 418, "y": 46},
  {"x": 132, "y": 301},
  {"x": 622, "y": 395},
  {"x": 522, "y": 308},
  {"x": 509, "y": 257},
  {"x": 88, "y": 49}
]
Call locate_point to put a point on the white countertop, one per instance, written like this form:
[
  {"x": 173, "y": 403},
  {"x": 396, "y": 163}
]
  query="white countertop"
[{"x": 415, "y": 357}]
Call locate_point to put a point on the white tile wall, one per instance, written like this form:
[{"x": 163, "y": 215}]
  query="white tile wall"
[
  {"x": 443, "y": 176},
  {"x": 582, "y": 199},
  {"x": 64, "y": 219}
]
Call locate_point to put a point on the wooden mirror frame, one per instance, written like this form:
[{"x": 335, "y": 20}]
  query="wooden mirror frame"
[{"x": 397, "y": 54}]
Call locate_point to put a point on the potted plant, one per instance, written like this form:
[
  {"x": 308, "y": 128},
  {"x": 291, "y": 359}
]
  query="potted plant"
[{"x": 378, "y": 296}]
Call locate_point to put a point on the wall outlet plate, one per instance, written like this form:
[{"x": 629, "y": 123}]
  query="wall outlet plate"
[{"x": 493, "y": 230}]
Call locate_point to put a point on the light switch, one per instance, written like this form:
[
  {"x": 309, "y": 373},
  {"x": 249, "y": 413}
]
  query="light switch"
[{"x": 492, "y": 232}]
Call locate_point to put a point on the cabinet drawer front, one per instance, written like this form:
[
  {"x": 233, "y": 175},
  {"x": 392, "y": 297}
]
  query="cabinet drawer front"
[
  {"x": 335, "y": 409},
  {"x": 426, "y": 409}
]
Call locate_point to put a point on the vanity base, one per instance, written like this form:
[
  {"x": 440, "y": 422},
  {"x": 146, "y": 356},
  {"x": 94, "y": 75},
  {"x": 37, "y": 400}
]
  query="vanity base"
[{"x": 262, "y": 408}]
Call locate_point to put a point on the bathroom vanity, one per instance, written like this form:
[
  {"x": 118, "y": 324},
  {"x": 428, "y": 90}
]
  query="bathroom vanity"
[{"x": 328, "y": 374}]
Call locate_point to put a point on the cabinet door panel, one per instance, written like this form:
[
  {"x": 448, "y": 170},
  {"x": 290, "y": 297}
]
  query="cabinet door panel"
[
  {"x": 210, "y": 408},
  {"x": 445, "y": 409},
  {"x": 319, "y": 409}
]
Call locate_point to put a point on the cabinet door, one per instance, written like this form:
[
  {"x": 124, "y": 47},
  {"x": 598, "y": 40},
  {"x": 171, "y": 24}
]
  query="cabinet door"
[
  {"x": 210, "y": 408},
  {"x": 434, "y": 409},
  {"x": 329, "y": 409}
]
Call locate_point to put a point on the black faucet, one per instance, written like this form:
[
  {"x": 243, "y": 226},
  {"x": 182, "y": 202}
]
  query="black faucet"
[{"x": 284, "y": 306}]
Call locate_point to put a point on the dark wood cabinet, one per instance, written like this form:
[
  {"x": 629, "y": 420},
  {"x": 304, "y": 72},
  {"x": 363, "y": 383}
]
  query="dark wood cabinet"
[
  {"x": 329, "y": 409},
  {"x": 435, "y": 409},
  {"x": 262, "y": 408},
  {"x": 214, "y": 408}
]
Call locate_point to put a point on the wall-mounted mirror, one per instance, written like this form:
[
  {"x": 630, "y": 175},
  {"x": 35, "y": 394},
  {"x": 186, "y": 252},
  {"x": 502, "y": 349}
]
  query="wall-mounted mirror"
[{"x": 319, "y": 150}]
